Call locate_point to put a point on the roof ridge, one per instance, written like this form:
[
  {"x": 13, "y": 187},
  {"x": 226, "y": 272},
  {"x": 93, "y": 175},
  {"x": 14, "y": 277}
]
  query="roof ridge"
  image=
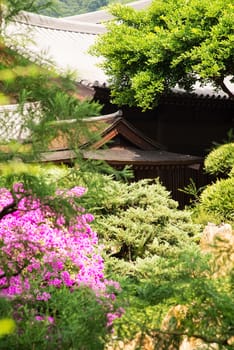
[{"x": 34, "y": 19}]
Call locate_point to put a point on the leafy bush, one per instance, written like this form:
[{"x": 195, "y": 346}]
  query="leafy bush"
[
  {"x": 152, "y": 250},
  {"x": 139, "y": 220},
  {"x": 67, "y": 321},
  {"x": 220, "y": 160},
  {"x": 218, "y": 199},
  {"x": 184, "y": 283}
]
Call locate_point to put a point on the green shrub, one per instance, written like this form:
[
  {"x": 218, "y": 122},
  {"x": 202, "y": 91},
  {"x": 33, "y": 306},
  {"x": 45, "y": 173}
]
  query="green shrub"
[
  {"x": 140, "y": 220},
  {"x": 183, "y": 280},
  {"x": 151, "y": 248},
  {"x": 220, "y": 160},
  {"x": 218, "y": 200}
]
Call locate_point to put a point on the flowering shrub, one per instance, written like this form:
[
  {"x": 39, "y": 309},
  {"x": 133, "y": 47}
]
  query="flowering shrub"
[{"x": 40, "y": 253}]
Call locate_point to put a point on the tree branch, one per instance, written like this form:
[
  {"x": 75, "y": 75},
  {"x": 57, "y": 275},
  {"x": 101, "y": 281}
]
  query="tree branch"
[
  {"x": 221, "y": 83},
  {"x": 8, "y": 209}
]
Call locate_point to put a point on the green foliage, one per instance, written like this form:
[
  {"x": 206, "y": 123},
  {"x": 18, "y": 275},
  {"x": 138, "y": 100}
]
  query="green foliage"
[
  {"x": 139, "y": 220},
  {"x": 27, "y": 82},
  {"x": 220, "y": 160},
  {"x": 192, "y": 190},
  {"x": 163, "y": 267},
  {"x": 85, "y": 326},
  {"x": 231, "y": 174},
  {"x": 176, "y": 296},
  {"x": 218, "y": 199},
  {"x": 216, "y": 202},
  {"x": 173, "y": 42},
  {"x": 151, "y": 248},
  {"x": 5, "y": 307},
  {"x": 16, "y": 171},
  {"x": 78, "y": 322}
]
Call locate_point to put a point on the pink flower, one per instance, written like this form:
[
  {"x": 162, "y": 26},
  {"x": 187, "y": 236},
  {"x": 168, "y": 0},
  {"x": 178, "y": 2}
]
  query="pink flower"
[
  {"x": 55, "y": 282},
  {"x": 39, "y": 252},
  {"x": 39, "y": 318},
  {"x": 43, "y": 296},
  {"x": 50, "y": 319}
]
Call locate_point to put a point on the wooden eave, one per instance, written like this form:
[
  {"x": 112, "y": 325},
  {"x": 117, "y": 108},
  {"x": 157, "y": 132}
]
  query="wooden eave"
[{"x": 120, "y": 156}]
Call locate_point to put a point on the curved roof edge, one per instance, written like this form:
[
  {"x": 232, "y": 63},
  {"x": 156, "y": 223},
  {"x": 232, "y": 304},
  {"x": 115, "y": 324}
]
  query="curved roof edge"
[
  {"x": 59, "y": 24},
  {"x": 103, "y": 117}
]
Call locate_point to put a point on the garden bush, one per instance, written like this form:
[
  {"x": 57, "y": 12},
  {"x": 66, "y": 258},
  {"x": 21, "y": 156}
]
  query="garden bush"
[
  {"x": 220, "y": 160},
  {"x": 218, "y": 200},
  {"x": 140, "y": 220},
  {"x": 149, "y": 246},
  {"x": 52, "y": 273},
  {"x": 152, "y": 249},
  {"x": 183, "y": 282}
]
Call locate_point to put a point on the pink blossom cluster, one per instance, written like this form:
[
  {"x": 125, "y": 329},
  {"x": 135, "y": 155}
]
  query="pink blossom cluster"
[{"x": 37, "y": 246}]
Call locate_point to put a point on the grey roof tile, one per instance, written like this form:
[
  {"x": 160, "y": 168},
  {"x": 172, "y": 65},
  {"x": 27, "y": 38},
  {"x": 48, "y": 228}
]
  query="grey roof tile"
[{"x": 65, "y": 49}]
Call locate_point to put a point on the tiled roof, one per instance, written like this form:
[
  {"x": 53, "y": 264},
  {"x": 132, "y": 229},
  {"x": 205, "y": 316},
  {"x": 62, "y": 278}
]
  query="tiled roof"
[
  {"x": 61, "y": 44},
  {"x": 208, "y": 90}
]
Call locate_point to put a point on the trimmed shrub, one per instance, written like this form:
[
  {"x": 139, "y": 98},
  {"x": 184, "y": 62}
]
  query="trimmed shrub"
[
  {"x": 140, "y": 220},
  {"x": 220, "y": 160},
  {"x": 218, "y": 199}
]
